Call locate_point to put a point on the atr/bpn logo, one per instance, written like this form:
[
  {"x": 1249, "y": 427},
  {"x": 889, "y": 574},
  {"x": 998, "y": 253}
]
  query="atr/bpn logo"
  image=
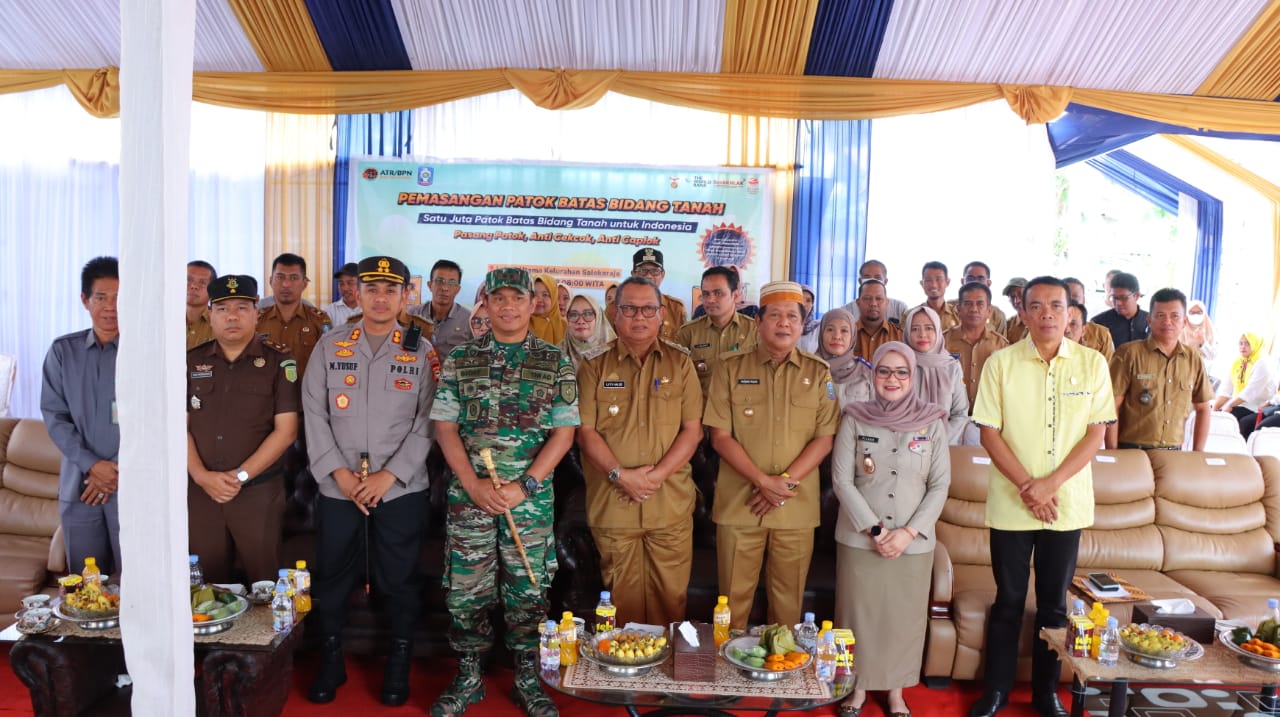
[
  {"x": 425, "y": 176},
  {"x": 370, "y": 173},
  {"x": 375, "y": 173}
]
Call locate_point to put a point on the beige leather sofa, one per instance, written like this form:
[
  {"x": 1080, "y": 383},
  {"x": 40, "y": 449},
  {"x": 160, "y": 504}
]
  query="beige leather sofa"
[
  {"x": 29, "y": 550},
  {"x": 1194, "y": 525}
]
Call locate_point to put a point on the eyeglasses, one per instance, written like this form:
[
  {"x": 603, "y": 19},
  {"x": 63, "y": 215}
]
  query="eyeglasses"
[
  {"x": 971, "y": 278},
  {"x": 585, "y": 315},
  {"x": 479, "y": 322},
  {"x": 446, "y": 283},
  {"x": 899, "y": 373},
  {"x": 1117, "y": 298},
  {"x": 645, "y": 272},
  {"x": 630, "y": 311}
]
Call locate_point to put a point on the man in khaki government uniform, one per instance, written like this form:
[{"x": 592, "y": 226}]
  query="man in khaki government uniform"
[
  {"x": 773, "y": 417},
  {"x": 242, "y": 414},
  {"x": 1096, "y": 336},
  {"x": 872, "y": 329},
  {"x": 973, "y": 341},
  {"x": 722, "y": 329},
  {"x": 199, "y": 275},
  {"x": 289, "y": 320},
  {"x": 1014, "y": 329},
  {"x": 641, "y": 410},
  {"x": 647, "y": 264},
  {"x": 981, "y": 273},
  {"x": 934, "y": 281},
  {"x": 1158, "y": 381}
]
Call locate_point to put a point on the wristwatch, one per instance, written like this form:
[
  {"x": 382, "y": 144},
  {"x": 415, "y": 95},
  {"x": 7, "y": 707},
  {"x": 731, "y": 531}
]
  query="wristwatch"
[
  {"x": 529, "y": 485},
  {"x": 615, "y": 474},
  {"x": 242, "y": 475}
]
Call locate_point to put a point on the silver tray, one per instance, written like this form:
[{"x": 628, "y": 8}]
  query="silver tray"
[
  {"x": 1156, "y": 663},
  {"x": 222, "y": 624},
  {"x": 587, "y": 649},
  {"x": 87, "y": 623},
  {"x": 1257, "y": 661},
  {"x": 756, "y": 673}
]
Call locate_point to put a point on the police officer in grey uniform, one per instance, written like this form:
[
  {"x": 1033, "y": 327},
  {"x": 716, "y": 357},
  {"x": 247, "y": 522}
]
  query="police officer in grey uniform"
[{"x": 366, "y": 401}]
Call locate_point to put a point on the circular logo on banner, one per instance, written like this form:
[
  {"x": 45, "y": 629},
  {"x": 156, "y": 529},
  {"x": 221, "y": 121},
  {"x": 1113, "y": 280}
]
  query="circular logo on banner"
[
  {"x": 370, "y": 173},
  {"x": 726, "y": 245}
]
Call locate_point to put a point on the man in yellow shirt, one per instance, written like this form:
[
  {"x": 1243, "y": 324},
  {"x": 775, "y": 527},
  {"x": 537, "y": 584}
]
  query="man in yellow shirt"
[{"x": 1043, "y": 406}]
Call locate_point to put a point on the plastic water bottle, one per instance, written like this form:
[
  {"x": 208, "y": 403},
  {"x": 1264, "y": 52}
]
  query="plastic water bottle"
[
  {"x": 720, "y": 619},
  {"x": 549, "y": 647},
  {"x": 92, "y": 576},
  {"x": 1109, "y": 649},
  {"x": 606, "y": 613},
  {"x": 301, "y": 588},
  {"x": 197, "y": 575},
  {"x": 282, "y": 603},
  {"x": 825, "y": 663},
  {"x": 568, "y": 639},
  {"x": 807, "y": 635},
  {"x": 1079, "y": 630}
]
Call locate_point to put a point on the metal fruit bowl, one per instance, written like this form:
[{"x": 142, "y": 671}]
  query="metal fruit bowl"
[
  {"x": 210, "y": 627},
  {"x": 87, "y": 621},
  {"x": 763, "y": 674},
  {"x": 587, "y": 649},
  {"x": 1167, "y": 662},
  {"x": 1270, "y": 664},
  {"x": 1155, "y": 655}
]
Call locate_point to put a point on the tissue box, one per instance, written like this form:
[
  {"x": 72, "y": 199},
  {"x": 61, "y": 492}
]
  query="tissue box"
[
  {"x": 1197, "y": 625},
  {"x": 694, "y": 664}
]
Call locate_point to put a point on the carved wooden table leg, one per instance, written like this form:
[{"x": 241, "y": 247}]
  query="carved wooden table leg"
[
  {"x": 65, "y": 680},
  {"x": 245, "y": 683}
]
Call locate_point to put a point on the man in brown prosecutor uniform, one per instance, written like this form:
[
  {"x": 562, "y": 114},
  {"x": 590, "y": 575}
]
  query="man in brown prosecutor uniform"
[
  {"x": 641, "y": 409},
  {"x": 242, "y": 413},
  {"x": 773, "y": 416},
  {"x": 1157, "y": 381}
]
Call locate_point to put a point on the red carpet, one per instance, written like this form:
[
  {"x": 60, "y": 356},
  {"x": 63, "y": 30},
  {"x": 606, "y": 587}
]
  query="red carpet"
[{"x": 364, "y": 678}]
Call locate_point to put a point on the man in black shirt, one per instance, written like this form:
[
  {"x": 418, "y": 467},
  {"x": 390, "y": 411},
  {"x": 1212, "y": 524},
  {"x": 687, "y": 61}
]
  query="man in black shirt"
[{"x": 1126, "y": 320}]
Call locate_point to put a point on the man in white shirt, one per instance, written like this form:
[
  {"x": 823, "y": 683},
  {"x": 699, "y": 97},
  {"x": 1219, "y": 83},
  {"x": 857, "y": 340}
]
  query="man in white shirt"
[{"x": 348, "y": 288}]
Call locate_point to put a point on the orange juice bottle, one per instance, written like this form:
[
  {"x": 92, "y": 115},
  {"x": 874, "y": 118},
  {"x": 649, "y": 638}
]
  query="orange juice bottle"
[{"x": 721, "y": 618}]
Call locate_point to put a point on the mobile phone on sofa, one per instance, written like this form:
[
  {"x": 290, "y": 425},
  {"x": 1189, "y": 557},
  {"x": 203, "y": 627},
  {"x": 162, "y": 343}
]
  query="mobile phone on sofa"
[{"x": 1103, "y": 582}]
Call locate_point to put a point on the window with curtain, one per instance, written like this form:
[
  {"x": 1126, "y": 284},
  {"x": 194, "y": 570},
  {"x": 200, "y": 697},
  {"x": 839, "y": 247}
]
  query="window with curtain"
[{"x": 59, "y": 207}]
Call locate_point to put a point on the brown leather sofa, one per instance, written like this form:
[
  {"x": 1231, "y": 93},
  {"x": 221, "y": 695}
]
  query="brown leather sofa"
[
  {"x": 29, "y": 552},
  {"x": 1193, "y": 525}
]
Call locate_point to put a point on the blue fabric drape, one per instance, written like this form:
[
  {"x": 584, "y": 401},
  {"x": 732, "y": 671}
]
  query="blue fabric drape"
[
  {"x": 1083, "y": 132},
  {"x": 1162, "y": 189},
  {"x": 384, "y": 135},
  {"x": 847, "y": 36},
  {"x": 829, "y": 223},
  {"x": 359, "y": 35}
]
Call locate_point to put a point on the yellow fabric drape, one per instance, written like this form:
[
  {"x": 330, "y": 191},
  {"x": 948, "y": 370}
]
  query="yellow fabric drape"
[
  {"x": 298, "y": 209},
  {"x": 282, "y": 34},
  {"x": 1252, "y": 68},
  {"x": 561, "y": 90},
  {"x": 1259, "y": 184},
  {"x": 797, "y": 97},
  {"x": 768, "y": 37},
  {"x": 97, "y": 91}
]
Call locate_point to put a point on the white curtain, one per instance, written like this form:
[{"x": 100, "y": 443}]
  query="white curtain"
[{"x": 59, "y": 207}]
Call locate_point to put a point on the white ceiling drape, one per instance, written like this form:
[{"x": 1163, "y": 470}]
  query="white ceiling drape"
[
  {"x": 1132, "y": 45},
  {"x": 657, "y": 35}
]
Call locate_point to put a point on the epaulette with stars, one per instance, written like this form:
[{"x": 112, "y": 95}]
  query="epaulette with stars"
[
  {"x": 674, "y": 345},
  {"x": 271, "y": 344}
]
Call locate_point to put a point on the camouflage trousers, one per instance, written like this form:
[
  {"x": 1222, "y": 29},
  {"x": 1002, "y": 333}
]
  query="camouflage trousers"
[{"x": 484, "y": 566}]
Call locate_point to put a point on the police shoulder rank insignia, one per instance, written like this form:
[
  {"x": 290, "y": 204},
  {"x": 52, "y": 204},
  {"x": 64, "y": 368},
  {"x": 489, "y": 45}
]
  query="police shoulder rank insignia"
[
  {"x": 290, "y": 367},
  {"x": 344, "y": 353}
]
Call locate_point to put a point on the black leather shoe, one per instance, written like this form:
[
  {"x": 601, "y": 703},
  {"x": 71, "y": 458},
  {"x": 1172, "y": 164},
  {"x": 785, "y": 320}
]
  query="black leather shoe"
[
  {"x": 331, "y": 673},
  {"x": 1049, "y": 705},
  {"x": 395, "y": 678},
  {"x": 991, "y": 702}
]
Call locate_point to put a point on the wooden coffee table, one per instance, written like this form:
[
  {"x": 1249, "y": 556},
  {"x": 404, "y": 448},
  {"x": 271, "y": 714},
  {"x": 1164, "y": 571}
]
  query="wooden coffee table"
[
  {"x": 1218, "y": 666},
  {"x": 244, "y": 671}
]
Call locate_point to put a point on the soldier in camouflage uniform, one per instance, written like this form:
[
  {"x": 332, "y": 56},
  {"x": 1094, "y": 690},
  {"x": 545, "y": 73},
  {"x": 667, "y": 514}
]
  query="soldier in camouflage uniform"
[{"x": 511, "y": 392}]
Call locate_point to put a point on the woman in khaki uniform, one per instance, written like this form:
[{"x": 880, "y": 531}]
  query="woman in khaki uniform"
[{"x": 891, "y": 467}]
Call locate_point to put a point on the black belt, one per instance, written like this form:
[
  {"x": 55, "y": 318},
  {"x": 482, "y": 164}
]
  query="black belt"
[{"x": 1148, "y": 448}]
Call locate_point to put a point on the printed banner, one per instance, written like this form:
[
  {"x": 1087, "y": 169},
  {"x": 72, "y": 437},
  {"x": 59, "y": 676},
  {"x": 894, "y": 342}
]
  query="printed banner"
[{"x": 579, "y": 223}]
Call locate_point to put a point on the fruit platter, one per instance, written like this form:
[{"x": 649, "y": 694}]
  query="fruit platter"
[
  {"x": 1154, "y": 646},
  {"x": 626, "y": 653},
  {"x": 92, "y": 607},
  {"x": 773, "y": 655},
  {"x": 1256, "y": 648},
  {"x": 214, "y": 609}
]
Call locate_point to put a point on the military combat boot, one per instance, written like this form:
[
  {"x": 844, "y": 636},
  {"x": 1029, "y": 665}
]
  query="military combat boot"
[
  {"x": 395, "y": 678},
  {"x": 527, "y": 692},
  {"x": 330, "y": 674},
  {"x": 466, "y": 689}
]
